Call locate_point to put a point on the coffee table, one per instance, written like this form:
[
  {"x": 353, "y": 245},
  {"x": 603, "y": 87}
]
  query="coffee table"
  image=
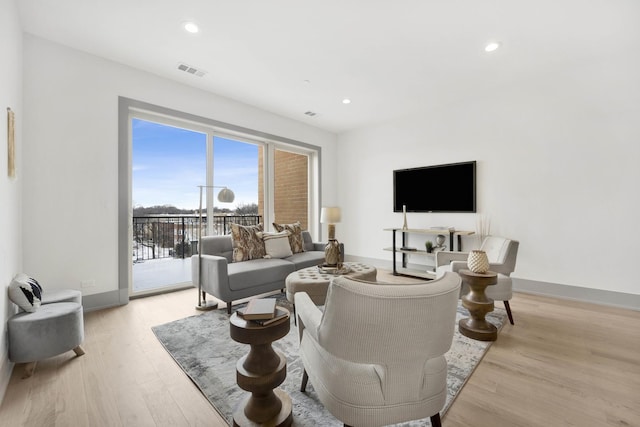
[{"x": 315, "y": 282}]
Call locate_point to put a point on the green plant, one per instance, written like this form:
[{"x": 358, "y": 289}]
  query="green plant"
[{"x": 428, "y": 246}]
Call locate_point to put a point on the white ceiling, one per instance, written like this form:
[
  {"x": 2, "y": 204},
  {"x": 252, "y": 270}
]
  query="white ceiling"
[{"x": 391, "y": 58}]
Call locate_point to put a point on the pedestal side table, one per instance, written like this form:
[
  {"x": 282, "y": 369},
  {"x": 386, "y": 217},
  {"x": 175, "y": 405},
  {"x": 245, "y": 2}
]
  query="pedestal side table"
[
  {"x": 260, "y": 372},
  {"x": 478, "y": 304}
]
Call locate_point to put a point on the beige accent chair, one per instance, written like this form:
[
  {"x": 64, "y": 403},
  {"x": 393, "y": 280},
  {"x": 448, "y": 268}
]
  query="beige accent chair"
[
  {"x": 502, "y": 253},
  {"x": 375, "y": 356}
]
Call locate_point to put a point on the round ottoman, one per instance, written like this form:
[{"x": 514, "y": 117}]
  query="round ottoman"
[
  {"x": 50, "y": 330},
  {"x": 316, "y": 283}
]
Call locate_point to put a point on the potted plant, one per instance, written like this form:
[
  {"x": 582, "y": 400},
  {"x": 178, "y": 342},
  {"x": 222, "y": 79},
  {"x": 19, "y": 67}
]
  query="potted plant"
[{"x": 429, "y": 246}]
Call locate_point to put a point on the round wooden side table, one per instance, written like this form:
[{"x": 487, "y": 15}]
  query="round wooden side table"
[
  {"x": 478, "y": 304},
  {"x": 260, "y": 372}
]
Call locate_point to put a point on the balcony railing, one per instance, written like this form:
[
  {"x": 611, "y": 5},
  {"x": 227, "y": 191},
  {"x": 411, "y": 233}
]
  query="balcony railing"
[{"x": 176, "y": 236}]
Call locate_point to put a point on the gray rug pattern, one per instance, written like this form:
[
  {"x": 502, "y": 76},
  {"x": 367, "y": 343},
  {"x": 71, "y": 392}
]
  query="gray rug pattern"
[{"x": 202, "y": 347}]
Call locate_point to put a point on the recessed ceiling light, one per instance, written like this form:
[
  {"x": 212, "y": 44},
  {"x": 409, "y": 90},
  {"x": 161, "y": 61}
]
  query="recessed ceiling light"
[
  {"x": 491, "y": 46},
  {"x": 191, "y": 27},
  {"x": 346, "y": 101}
]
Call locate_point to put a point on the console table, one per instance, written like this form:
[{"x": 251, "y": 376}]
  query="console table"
[
  {"x": 429, "y": 231},
  {"x": 260, "y": 372}
]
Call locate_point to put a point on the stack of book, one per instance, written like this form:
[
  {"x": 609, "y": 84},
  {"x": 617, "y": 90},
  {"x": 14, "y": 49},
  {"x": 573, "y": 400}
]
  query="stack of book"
[{"x": 262, "y": 311}]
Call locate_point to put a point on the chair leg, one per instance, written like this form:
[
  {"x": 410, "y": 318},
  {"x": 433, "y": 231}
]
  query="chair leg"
[
  {"x": 29, "y": 368},
  {"x": 295, "y": 317},
  {"x": 508, "y": 308},
  {"x": 229, "y": 307},
  {"x": 305, "y": 379},
  {"x": 79, "y": 351},
  {"x": 435, "y": 420}
]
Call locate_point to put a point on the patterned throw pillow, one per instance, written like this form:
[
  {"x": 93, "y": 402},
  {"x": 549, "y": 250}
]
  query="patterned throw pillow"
[
  {"x": 246, "y": 242},
  {"x": 276, "y": 245},
  {"x": 295, "y": 237},
  {"x": 25, "y": 292}
]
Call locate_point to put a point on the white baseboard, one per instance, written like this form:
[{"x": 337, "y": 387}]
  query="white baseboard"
[{"x": 578, "y": 293}]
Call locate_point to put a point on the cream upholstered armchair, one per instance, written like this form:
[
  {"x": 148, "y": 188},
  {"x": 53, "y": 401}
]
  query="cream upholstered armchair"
[
  {"x": 375, "y": 356},
  {"x": 502, "y": 253}
]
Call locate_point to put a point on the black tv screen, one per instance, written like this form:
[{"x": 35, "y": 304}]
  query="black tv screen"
[{"x": 439, "y": 188}]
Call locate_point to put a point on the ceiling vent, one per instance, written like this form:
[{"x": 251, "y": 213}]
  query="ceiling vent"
[
  {"x": 310, "y": 113},
  {"x": 191, "y": 70}
]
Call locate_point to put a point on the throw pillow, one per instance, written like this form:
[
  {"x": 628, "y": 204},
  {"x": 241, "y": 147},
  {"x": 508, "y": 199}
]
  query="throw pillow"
[
  {"x": 246, "y": 242},
  {"x": 295, "y": 236},
  {"x": 25, "y": 292},
  {"x": 276, "y": 245}
]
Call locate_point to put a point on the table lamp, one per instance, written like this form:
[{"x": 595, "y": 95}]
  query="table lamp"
[{"x": 331, "y": 215}]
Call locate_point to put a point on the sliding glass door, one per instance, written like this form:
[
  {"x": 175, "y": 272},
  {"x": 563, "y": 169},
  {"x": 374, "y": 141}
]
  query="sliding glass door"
[
  {"x": 168, "y": 163},
  {"x": 236, "y": 167}
]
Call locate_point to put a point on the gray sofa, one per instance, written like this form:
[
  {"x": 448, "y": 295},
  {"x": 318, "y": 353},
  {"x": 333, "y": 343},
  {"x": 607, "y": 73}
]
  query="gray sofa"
[{"x": 229, "y": 281}]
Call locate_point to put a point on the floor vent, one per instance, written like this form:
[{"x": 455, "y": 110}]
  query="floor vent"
[{"x": 191, "y": 70}]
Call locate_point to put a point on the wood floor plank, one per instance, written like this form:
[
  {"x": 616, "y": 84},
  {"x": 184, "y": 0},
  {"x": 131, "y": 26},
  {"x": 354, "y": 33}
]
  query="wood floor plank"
[
  {"x": 563, "y": 363},
  {"x": 70, "y": 411}
]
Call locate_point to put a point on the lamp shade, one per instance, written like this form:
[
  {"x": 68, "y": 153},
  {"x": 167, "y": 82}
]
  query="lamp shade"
[
  {"x": 226, "y": 196},
  {"x": 330, "y": 215}
]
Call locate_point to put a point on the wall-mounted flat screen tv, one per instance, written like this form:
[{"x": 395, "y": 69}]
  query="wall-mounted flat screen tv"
[{"x": 440, "y": 188}]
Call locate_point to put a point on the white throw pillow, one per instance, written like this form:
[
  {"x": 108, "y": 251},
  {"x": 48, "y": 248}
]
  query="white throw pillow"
[
  {"x": 25, "y": 292},
  {"x": 276, "y": 245}
]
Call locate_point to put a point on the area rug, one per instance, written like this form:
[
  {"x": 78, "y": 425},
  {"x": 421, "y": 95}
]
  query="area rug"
[{"x": 202, "y": 347}]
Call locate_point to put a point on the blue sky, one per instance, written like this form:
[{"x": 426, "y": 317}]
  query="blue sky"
[{"x": 170, "y": 163}]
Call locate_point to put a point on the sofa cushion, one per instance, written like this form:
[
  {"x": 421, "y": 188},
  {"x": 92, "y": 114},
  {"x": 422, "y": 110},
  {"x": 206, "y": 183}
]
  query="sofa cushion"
[
  {"x": 257, "y": 272},
  {"x": 295, "y": 238},
  {"x": 306, "y": 259},
  {"x": 247, "y": 244},
  {"x": 276, "y": 245}
]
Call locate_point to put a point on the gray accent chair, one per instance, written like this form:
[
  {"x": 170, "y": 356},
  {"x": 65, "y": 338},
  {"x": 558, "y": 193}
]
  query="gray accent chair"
[
  {"x": 502, "y": 254},
  {"x": 375, "y": 356}
]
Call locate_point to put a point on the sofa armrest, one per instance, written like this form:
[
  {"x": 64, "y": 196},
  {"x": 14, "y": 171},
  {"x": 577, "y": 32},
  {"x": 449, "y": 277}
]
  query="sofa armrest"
[
  {"x": 215, "y": 277},
  {"x": 308, "y": 315},
  {"x": 446, "y": 257},
  {"x": 319, "y": 246}
]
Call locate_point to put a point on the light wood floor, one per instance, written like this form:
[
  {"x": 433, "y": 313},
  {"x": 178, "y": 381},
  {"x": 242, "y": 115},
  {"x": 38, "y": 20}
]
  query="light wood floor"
[{"x": 563, "y": 364}]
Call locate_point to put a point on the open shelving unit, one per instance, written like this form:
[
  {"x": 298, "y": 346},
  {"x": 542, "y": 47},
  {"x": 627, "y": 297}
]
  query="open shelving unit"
[{"x": 455, "y": 236}]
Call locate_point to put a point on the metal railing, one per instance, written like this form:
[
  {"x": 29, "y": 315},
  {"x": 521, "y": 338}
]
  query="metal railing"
[{"x": 176, "y": 236}]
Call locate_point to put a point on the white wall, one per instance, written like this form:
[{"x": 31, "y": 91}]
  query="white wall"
[
  {"x": 10, "y": 188},
  {"x": 557, "y": 170},
  {"x": 71, "y": 155}
]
